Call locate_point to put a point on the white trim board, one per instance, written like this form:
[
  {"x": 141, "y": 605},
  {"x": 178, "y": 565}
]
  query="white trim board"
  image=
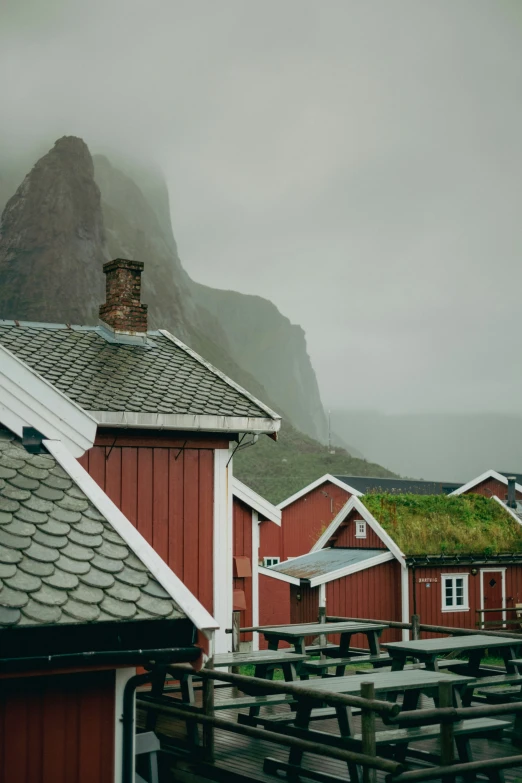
[
  {"x": 292, "y": 580},
  {"x": 509, "y": 510},
  {"x": 354, "y": 504},
  {"x": 271, "y": 414},
  {"x": 255, "y": 578},
  {"x": 489, "y": 474},
  {"x": 28, "y": 400},
  {"x": 223, "y": 547},
  {"x": 255, "y": 501},
  {"x": 317, "y": 483},
  {"x": 189, "y": 422},
  {"x": 187, "y": 602}
]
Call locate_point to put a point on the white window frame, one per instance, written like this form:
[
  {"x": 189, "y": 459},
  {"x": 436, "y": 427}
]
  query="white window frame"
[
  {"x": 273, "y": 561},
  {"x": 444, "y": 578},
  {"x": 360, "y": 528}
]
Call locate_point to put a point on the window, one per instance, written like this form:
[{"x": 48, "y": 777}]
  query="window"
[
  {"x": 270, "y": 561},
  {"x": 455, "y": 593},
  {"x": 360, "y": 528}
]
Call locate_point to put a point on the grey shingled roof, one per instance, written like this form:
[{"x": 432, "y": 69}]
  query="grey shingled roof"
[
  {"x": 395, "y": 486},
  {"x": 158, "y": 377},
  {"x": 60, "y": 560},
  {"x": 324, "y": 561}
]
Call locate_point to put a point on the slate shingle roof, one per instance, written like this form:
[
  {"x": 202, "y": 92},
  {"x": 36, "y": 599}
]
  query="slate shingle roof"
[
  {"x": 60, "y": 560},
  {"x": 158, "y": 377}
]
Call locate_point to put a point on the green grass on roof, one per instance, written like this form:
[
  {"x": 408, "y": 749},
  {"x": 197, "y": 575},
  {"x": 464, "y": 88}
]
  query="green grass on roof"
[{"x": 439, "y": 524}]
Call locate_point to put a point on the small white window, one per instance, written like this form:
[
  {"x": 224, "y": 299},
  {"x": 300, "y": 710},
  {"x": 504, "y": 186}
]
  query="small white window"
[
  {"x": 360, "y": 528},
  {"x": 271, "y": 561},
  {"x": 455, "y": 593}
]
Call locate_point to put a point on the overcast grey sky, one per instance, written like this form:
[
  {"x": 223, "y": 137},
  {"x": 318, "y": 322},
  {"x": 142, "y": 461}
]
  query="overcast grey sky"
[{"x": 356, "y": 161}]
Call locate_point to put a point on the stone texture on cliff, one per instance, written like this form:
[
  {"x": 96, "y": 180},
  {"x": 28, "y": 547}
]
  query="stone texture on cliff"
[{"x": 52, "y": 241}]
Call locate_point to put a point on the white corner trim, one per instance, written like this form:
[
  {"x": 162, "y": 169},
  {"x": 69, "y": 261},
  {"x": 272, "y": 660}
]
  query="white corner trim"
[
  {"x": 322, "y": 596},
  {"x": 28, "y": 400},
  {"x": 317, "y": 483},
  {"x": 255, "y": 579},
  {"x": 483, "y": 477},
  {"x": 122, "y": 676},
  {"x": 355, "y": 504},
  {"x": 272, "y": 414},
  {"x": 187, "y": 602},
  {"x": 278, "y": 575},
  {"x": 351, "y": 569},
  {"x": 189, "y": 422},
  {"x": 405, "y": 600},
  {"x": 223, "y": 579},
  {"x": 255, "y": 501},
  {"x": 509, "y": 510}
]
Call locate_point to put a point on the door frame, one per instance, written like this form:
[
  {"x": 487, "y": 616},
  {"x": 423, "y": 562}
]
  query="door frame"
[{"x": 483, "y": 571}]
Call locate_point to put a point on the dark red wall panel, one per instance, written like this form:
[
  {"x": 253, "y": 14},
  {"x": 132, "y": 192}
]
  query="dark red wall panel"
[
  {"x": 167, "y": 492},
  {"x": 345, "y": 535},
  {"x": 308, "y": 517},
  {"x": 274, "y": 605},
  {"x": 243, "y": 546},
  {"x": 491, "y": 487},
  {"x": 57, "y": 729}
]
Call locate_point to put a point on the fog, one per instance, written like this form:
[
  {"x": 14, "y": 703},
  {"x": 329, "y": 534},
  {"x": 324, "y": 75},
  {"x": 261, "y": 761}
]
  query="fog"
[{"x": 358, "y": 162}]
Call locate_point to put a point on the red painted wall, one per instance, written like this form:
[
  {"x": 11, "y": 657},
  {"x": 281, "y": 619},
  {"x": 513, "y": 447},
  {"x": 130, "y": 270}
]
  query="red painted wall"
[
  {"x": 274, "y": 605},
  {"x": 345, "y": 535},
  {"x": 165, "y": 487},
  {"x": 270, "y": 540},
  {"x": 429, "y": 599},
  {"x": 491, "y": 487},
  {"x": 307, "y": 518},
  {"x": 57, "y": 729},
  {"x": 243, "y": 546},
  {"x": 374, "y": 593}
]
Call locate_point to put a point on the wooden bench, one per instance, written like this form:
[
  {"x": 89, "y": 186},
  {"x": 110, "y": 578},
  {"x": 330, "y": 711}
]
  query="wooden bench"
[
  {"x": 313, "y": 667},
  {"x": 241, "y": 702},
  {"x": 492, "y": 687}
]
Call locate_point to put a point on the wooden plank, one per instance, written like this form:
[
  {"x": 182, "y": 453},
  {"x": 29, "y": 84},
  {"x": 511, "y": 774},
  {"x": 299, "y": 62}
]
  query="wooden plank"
[
  {"x": 191, "y": 521},
  {"x": 449, "y": 644},
  {"x": 129, "y": 480},
  {"x": 314, "y": 629},
  {"x": 262, "y": 656},
  {"x": 160, "y": 502},
  {"x": 144, "y": 506},
  {"x": 113, "y": 485},
  {"x": 97, "y": 465},
  {"x": 392, "y": 681},
  {"x": 206, "y": 529},
  {"x": 176, "y": 503}
]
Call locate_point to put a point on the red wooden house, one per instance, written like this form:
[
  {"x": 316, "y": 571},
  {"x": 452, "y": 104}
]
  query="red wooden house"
[
  {"x": 168, "y": 426},
  {"x": 491, "y": 483},
  {"x": 84, "y": 598},
  {"x": 389, "y": 556}
]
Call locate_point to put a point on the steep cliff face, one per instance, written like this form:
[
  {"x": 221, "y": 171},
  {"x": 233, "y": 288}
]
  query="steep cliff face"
[{"x": 52, "y": 241}]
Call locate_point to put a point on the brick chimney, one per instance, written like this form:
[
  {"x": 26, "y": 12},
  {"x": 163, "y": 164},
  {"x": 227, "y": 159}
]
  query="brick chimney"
[{"x": 123, "y": 310}]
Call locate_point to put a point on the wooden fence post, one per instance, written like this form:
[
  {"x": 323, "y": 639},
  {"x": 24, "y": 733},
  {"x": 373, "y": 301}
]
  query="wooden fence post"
[
  {"x": 369, "y": 747},
  {"x": 208, "y": 709},
  {"x": 236, "y": 618},
  {"x": 447, "y": 738},
  {"x": 415, "y": 627}
]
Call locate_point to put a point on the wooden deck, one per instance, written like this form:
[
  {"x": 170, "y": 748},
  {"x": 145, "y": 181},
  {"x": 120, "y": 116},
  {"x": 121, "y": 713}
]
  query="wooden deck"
[{"x": 239, "y": 759}]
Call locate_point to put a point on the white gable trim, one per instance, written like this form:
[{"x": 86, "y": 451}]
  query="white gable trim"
[
  {"x": 28, "y": 400},
  {"x": 271, "y": 414},
  {"x": 317, "y": 483},
  {"x": 278, "y": 575},
  {"x": 352, "y": 569},
  {"x": 509, "y": 510},
  {"x": 355, "y": 504},
  {"x": 255, "y": 501},
  {"x": 483, "y": 477},
  {"x": 187, "y": 602}
]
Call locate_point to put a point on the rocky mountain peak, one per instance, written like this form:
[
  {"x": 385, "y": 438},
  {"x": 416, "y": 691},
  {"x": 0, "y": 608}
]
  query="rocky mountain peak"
[{"x": 52, "y": 240}]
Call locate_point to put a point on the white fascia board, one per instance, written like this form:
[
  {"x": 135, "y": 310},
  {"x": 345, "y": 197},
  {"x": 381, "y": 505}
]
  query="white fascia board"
[
  {"x": 278, "y": 575},
  {"x": 334, "y": 524},
  {"x": 483, "y": 477},
  {"x": 189, "y": 422},
  {"x": 509, "y": 510},
  {"x": 355, "y": 504},
  {"x": 255, "y": 501},
  {"x": 352, "y": 569},
  {"x": 271, "y": 414},
  {"x": 187, "y": 602},
  {"x": 317, "y": 483},
  {"x": 28, "y": 400}
]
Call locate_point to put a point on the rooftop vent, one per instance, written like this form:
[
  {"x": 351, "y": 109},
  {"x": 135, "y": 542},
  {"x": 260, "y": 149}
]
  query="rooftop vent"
[
  {"x": 511, "y": 493},
  {"x": 123, "y": 310}
]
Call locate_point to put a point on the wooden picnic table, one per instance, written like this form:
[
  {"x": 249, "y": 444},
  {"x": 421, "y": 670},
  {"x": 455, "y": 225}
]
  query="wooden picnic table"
[
  {"x": 429, "y": 650},
  {"x": 387, "y": 685},
  {"x": 296, "y": 634}
]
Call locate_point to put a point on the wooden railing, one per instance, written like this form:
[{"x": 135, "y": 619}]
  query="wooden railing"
[{"x": 482, "y": 622}]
